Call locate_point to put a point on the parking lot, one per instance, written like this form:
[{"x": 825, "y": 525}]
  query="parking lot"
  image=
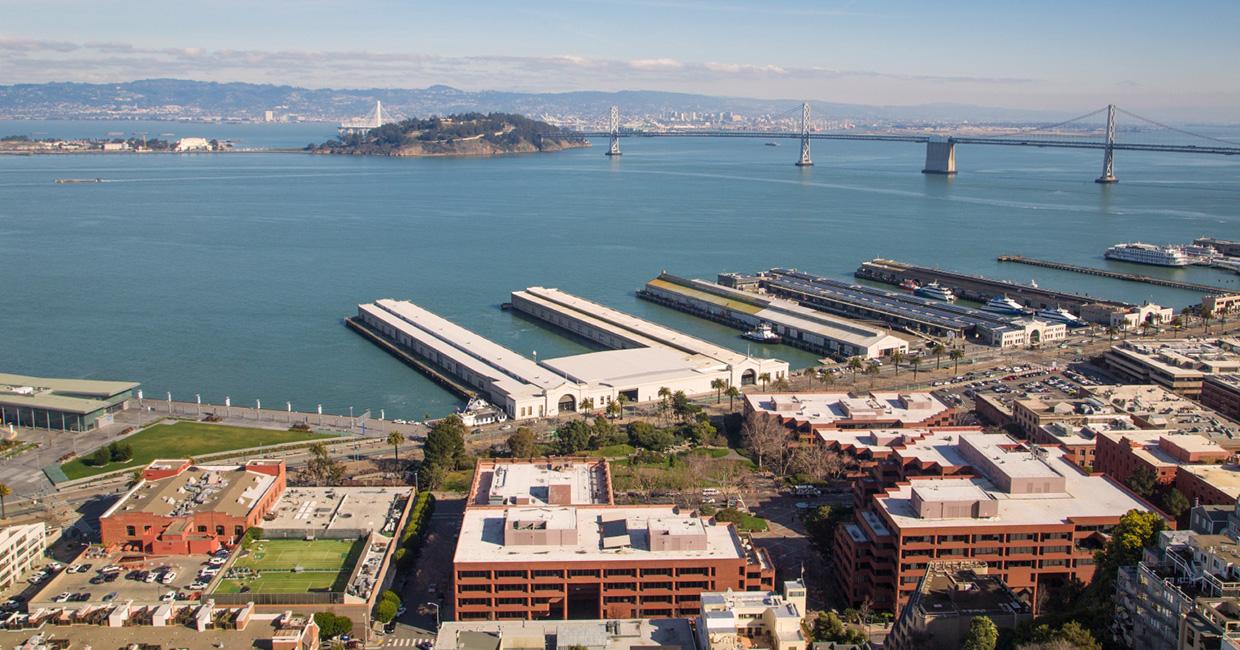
[{"x": 96, "y": 578}]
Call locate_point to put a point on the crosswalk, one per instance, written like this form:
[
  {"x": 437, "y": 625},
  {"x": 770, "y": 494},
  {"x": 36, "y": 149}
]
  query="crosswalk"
[{"x": 406, "y": 642}]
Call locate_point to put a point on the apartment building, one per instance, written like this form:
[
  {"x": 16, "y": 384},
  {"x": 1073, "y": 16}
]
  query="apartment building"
[
  {"x": 948, "y": 597},
  {"x": 1033, "y": 516},
  {"x": 20, "y": 547},
  {"x": 544, "y": 540},
  {"x": 731, "y": 620},
  {"x": 808, "y": 414},
  {"x": 1199, "y": 468}
]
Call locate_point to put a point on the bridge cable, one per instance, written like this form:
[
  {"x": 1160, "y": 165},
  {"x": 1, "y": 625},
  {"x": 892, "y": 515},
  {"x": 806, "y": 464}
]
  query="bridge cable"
[
  {"x": 1172, "y": 128},
  {"x": 1051, "y": 126}
]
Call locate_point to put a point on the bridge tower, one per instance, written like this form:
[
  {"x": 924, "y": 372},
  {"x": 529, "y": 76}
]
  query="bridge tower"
[
  {"x": 614, "y": 129},
  {"x": 805, "y": 160},
  {"x": 378, "y": 113},
  {"x": 1108, "y": 156}
]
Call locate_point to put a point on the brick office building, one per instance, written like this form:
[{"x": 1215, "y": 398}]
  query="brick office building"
[
  {"x": 811, "y": 413},
  {"x": 1029, "y": 513},
  {"x": 1222, "y": 393},
  {"x": 557, "y": 547},
  {"x": 1198, "y": 467},
  {"x": 181, "y": 508}
]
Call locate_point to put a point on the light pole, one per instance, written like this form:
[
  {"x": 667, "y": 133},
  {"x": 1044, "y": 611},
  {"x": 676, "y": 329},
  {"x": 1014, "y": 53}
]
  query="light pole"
[
  {"x": 198, "y": 401},
  {"x": 289, "y": 406},
  {"x": 436, "y": 606},
  {"x": 258, "y": 407}
]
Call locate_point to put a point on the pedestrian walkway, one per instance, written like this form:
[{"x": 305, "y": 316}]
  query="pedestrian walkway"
[{"x": 406, "y": 642}]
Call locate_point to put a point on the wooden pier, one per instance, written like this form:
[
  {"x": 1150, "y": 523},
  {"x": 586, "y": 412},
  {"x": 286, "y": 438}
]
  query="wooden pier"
[
  {"x": 1115, "y": 275},
  {"x": 410, "y": 359}
]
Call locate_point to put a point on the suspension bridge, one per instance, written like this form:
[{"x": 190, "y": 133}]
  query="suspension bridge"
[{"x": 1076, "y": 133}]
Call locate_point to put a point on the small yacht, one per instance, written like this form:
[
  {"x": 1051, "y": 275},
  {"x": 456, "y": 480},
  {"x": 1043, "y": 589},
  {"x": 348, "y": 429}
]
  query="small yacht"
[
  {"x": 936, "y": 291},
  {"x": 1059, "y": 315},
  {"x": 763, "y": 333},
  {"x": 1004, "y": 305},
  {"x": 479, "y": 412},
  {"x": 909, "y": 284}
]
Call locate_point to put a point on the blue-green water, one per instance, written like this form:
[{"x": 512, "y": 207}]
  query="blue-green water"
[{"x": 229, "y": 274}]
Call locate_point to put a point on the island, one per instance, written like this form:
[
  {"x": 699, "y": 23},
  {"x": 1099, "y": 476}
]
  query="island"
[{"x": 466, "y": 134}]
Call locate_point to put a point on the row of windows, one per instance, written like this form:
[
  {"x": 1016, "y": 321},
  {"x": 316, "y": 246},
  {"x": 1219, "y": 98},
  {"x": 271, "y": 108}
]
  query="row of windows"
[{"x": 591, "y": 573}]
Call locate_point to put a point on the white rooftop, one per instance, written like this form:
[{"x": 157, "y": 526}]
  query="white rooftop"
[
  {"x": 827, "y": 408},
  {"x": 510, "y": 483},
  {"x": 623, "y": 368},
  {"x": 482, "y": 535}
]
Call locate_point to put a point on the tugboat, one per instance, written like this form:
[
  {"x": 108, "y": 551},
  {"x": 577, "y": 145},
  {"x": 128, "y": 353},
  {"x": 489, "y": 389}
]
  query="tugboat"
[
  {"x": 1004, "y": 305},
  {"x": 763, "y": 333},
  {"x": 936, "y": 291}
]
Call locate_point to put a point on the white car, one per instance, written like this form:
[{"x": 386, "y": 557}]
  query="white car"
[
  {"x": 209, "y": 571},
  {"x": 168, "y": 577},
  {"x": 168, "y": 597},
  {"x": 199, "y": 585},
  {"x": 217, "y": 561}
]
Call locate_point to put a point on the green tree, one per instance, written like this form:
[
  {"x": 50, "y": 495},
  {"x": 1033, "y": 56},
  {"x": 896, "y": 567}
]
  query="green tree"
[
  {"x": 621, "y": 400},
  {"x": 718, "y": 385},
  {"x": 5, "y": 491},
  {"x": 587, "y": 407},
  {"x": 648, "y": 436},
  {"x": 614, "y": 409},
  {"x": 331, "y": 625},
  {"x": 982, "y": 635},
  {"x": 385, "y": 611},
  {"x": 603, "y": 433},
  {"x": 572, "y": 437},
  {"x": 913, "y": 363},
  {"x": 829, "y": 627},
  {"x": 956, "y": 355},
  {"x": 732, "y": 392},
  {"x": 521, "y": 443},
  {"x": 1078, "y": 636},
  {"x": 855, "y": 364},
  {"x": 445, "y": 444},
  {"x": 321, "y": 467},
  {"x": 938, "y": 351},
  {"x": 1143, "y": 481},
  {"x": 1134, "y": 532},
  {"x": 896, "y": 357},
  {"x": 395, "y": 438},
  {"x": 764, "y": 378},
  {"x": 1175, "y": 503}
]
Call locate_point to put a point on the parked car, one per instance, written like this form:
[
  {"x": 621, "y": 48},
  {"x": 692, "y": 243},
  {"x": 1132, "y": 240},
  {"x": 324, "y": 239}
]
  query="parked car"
[
  {"x": 168, "y": 577},
  {"x": 109, "y": 597}
]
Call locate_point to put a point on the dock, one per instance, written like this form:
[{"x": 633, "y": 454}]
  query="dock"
[
  {"x": 1115, "y": 275},
  {"x": 978, "y": 288},
  {"x": 418, "y": 363}
]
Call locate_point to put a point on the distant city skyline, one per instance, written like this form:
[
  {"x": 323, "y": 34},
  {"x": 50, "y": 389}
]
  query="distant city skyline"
[{"x": 1045, "y": 56}]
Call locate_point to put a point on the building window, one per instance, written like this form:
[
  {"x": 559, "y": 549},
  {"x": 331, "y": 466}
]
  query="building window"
[
  {"x": 131, "y": 531},
  {"x": 202, "y": 529}
]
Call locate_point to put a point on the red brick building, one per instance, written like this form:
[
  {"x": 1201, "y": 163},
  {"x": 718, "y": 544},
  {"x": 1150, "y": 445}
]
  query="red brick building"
[
  {"x": 181, "y": 508},
  {"x": 1199, "y": 468},
  {"x": 1030, "y": 514},
  {"x": 556, "y": 547}
]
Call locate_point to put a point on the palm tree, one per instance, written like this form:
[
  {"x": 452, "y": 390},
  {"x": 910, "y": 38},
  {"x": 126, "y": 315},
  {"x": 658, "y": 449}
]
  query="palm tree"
[
  {"x": 587, "y": 406},
  {"x": 1205, "y": 320},
  {"x": 914, "y": 362},
  {"x": 622, "y": 400},
  {"x": 395, "y": 438},
  {"x": 764, "y": 378},
  {"x": 1111, "y": 332},
  {"x": 718, "y": 385},
  {"x": 825, "y": 377},
  {"x": 614, "y": 408},
  {"x": 896, "y": 357},
  {"x": 732, "y": 392},
  {"x": 665, "y": 399},
  {"x": 855, "y": 365},
  {"x": 938, "y": 350},
  {"x": 5, "y": 491},
  {"x": 872, "y": 369},
  {"x": 956, "y": 355},
  {"x": 1177, "y": 324}
]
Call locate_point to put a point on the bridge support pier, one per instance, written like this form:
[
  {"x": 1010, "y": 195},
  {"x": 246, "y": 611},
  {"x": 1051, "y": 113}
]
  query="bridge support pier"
[
  {"x": 940, "y": 157},
  {"x": 613, "y": 148},
  {"x": 1108, "y": 155},
  {"x": 805, "y": 160}
]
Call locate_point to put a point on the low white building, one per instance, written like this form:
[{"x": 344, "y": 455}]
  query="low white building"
[
  {"x": 20, "y": 547},
  {"x": 731, "y": 620},
  {"x": 193, "y": 144},
  {"x": 1025, "y": 332}
]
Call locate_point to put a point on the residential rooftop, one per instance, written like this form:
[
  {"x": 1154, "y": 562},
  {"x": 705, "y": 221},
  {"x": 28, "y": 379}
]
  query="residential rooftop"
[
  {"x": 543, "y": 482},
  {"x": 231, "y": 490},
  {"x": 317, "y": 510},
  {"x": 830, "y": 409},
  {"x": 1157, "y": 407}
]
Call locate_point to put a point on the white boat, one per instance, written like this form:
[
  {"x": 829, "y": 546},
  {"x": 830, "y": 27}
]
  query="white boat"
[
  {"x": 763, "y": 333},
  {"x": 1059, "y": 315},
  {"x": 1003, "y": 305},
  {"x": 936, "y": 291},
  {"x": 1139, "y": 253}
]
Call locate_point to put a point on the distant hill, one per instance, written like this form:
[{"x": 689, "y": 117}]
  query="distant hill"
[
  {"x": 468, "y": 134},
  {"x": 183, "y": 99}
]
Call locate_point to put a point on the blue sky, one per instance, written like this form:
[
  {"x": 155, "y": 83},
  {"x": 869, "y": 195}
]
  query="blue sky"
[{"x": 1047, "y": 54}]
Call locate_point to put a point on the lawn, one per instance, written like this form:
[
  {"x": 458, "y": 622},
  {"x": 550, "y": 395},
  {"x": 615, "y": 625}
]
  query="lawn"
[
  {"x": 616, "y": 451},
  {"x": 188, "y": 439},
  {"x": 325, "y": 566}
]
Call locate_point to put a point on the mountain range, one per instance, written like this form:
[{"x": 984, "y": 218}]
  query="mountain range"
[{"x": 186, "y": 99}]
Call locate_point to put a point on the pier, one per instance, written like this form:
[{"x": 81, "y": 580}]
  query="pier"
[
  {"x": 977, "y": 288},
  {"x": 1115, "y": 275}
]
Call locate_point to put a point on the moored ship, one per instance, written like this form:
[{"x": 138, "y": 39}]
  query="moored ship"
[{"x": 1139, "y": 253}]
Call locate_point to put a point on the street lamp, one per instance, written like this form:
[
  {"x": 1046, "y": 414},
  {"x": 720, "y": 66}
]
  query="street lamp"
[{"x": 436, "y": 606}]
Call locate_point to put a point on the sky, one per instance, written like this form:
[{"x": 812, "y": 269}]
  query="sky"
[{"x": 1047, "y": 55}]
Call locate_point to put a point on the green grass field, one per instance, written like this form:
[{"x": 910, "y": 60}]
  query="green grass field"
[
  {"x": 188, "y": 439},
  {"x": 325, "y": 563}
]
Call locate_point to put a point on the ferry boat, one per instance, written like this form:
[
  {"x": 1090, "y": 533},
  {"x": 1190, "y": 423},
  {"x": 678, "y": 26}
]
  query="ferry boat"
[
  {"x": 1139, "y": 253},
  {"x": 936, "y": 291},
  {"x": 1004, "y": 305},
  {"x": 763, "y": 333},
  {"x": 77, "y": 181},
  {"x": 1059, "y": 315}
]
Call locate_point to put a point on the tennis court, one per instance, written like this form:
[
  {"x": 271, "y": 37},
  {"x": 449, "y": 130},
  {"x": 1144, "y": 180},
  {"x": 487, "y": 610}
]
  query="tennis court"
[{"x": 292, "y": 566}]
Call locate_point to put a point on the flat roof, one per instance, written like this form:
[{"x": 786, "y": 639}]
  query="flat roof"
[
  {"x": 78, "y": 396},
  {"x": 482, "y": 535},
  {"x": 231, "y": 490},
  {"x": 506, "y": 483},
  {"x": 625, "y": 368},
  {"x": 825, "y": 408},
  {"x": 1186, "y": 358},
  {"x": 1225, "y": 478},
  {"x": 625, "y": 634},
  {"x": 317, "y": 509},
  {"x": 1083, "y": 496},
  {"x": 1164, "y": 409},
  {"x": 970, "y": 591}
]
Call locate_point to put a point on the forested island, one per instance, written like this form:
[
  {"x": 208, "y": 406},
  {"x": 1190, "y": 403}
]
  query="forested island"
[{"x": 466, "y": 134}]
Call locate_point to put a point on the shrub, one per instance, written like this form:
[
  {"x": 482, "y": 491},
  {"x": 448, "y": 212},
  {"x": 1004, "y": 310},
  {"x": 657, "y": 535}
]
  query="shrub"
[
  {"x": 331, "y": 625},
  {"x": 385, "y": 611}
]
